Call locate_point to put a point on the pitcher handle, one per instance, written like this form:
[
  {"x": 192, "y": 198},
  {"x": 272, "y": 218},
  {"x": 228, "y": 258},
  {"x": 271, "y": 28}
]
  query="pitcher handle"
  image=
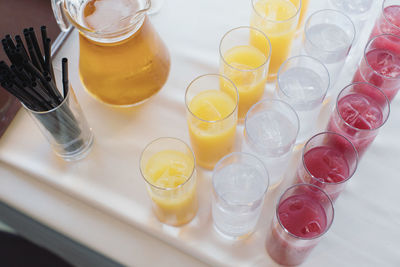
[{"x": 59, "y": 15}]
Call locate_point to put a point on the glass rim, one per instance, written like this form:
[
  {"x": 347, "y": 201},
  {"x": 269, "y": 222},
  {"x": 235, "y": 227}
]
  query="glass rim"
[
  {"x": 299, "y": 237},
  {"x": 53, "y": 109},
  {"x": 352, "y": 127},
  {"x": 385, "y": 18},
  {"x": 335, "y": 11},
  {"x": 277, "y": 21},
  {"x": 365, "y": 55},
  {"x": 208, "y": 75},
  {"x": 167, "y": 188},
  {"x": 272, "y": 100},
  {"x": 267, "y": 59},
  {"x": 247, "y": 155},
  {"x": 319, "y": 179},
  {"x": 303, "y": 56}
]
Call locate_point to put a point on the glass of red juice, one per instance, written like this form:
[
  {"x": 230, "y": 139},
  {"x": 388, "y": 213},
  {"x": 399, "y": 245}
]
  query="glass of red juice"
[
  {"x": 361, "y": 110},
  {"x": 380, "y": 64},
  {"x": 329, "y": 160},
  {"x": 300, "y": 221},
  {"x": 389, "y": 19}
]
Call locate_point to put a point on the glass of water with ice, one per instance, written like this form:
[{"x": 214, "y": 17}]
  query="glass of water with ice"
[
  {"x": 303, "y": 82},
  {"x": 358, "y": 10},
  {"x": 271, "y": 128},
  {"x": 240, "y": 181},
  {"x": 328, "y": 36}
]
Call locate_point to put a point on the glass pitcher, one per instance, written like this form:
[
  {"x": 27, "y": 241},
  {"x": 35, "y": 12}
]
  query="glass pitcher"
[{"x": 123, "y": 60}]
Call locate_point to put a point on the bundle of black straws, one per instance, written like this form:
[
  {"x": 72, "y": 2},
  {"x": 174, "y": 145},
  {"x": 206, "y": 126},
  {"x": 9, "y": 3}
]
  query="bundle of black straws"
[{"x": 31, "y": 79}]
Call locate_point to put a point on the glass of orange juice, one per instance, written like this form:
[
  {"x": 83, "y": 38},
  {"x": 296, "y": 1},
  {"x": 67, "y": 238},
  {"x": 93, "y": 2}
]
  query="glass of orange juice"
[
  {"x": 245, "y": 65},
  {"x": 278, "y": 20},
  {"x": 211, "y": 103},
  {"x": 168, "y": 167}
]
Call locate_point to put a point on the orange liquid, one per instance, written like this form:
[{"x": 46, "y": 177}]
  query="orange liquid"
[
  {"x": 213, "y": 136},
  {"x": 122, "y": 73},
  {"x": 280, "y": 25},
  {"x": 172, "y": 169},
  {"x": 246, "y": 74}
]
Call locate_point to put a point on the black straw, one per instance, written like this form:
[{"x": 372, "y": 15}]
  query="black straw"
[
  {"x": 48, "y": 62},
  {"x": 65, "y": 76},
  {"x": 36, "y": 47}
]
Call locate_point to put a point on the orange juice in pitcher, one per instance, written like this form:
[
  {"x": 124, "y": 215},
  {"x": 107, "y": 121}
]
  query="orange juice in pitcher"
[{"x": 123, "y": 61}]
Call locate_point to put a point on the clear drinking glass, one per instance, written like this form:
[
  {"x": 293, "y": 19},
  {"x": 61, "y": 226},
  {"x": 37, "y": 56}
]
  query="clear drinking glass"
[
  {"x": 303, "y": 82},
  {"x": 211, "y": 104},
  {"x": 304, "y": 213},
  {"x": 271, "y": 129},
  {"x": 65, "y": 127},
  {"x": 278, "y": 20},
  {"x": 388, "y": 20},
  {"x": 240, "y": 181},
  {"x": 245, "y": 65},
  {"x": 380, "y": 64},
  {"x": 328, "y": 36},
  {"x": 329, "y": 160},
  {"x": 361, "y": 110},
  {"x": 168, "y": 167},
  {"x": 359, "y": 11}
]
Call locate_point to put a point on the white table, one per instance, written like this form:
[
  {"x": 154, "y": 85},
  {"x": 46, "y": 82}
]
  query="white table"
[{"x": 101, "y": 201}]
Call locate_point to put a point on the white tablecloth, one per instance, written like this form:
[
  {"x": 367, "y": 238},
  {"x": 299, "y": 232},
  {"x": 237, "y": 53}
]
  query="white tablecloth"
[{"x": 366, "y": 228}]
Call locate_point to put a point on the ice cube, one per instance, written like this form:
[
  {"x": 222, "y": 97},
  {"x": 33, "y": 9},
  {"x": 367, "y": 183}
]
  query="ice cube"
[
  {"x": 326, "y": 158},
  {"x": 111, "y": 15},
  {"x": 292, "y": 86},
  {"x": 296, "y": 205},
  {"x": 312, "y": 227},
  {"x": 348, "y": 112},
  {"x": 360, "y": 6},
  {"x": 362, "y": 123},
  {"x": 333, "y": 159},
  {"x": 334, "y": 37},
  {"x": 373, "y": 115},
  {"x": 177, "y": 167},
  {"x": 384, "y": 59},
  {"x": 392, "y": 71},
  {"x": 212, "y": 111},
  {"x": 353, "y": 6},
  {"x": 271, "y": 10},
  {"x": 334, "y": 177}
]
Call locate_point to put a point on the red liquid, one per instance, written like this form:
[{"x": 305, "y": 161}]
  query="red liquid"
[
  {"x": 388, "y": 22},
  {"x": 384, "y": 62},
  {"x": 303, "y": 217},
  {"x": 327, "y": 163},
  {"x": 361, "y": 112}
]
